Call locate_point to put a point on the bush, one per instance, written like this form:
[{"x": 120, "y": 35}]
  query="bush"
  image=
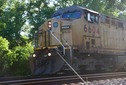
[
  {"x": 20, "y": 65},
  {"x": 4, "y": 59},
  {"x": 14, "y": 62}
]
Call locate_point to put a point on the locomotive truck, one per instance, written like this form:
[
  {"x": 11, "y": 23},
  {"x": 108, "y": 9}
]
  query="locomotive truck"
[{"x": 87, "y": 40}]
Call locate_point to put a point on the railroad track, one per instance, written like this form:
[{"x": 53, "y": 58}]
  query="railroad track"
[{"x": 64, "y": 79}]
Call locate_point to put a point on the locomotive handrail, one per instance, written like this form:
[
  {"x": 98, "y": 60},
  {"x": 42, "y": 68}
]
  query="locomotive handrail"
[
  {"x": 58, "y": 41},
  {"x": 69, "y": 47}
]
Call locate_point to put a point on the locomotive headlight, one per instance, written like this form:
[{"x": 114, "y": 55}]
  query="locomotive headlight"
[
  {"x": 49, "y": 54},
  {"x": 34, "y": 55},
  {"x": 88, "y": 55},
  {"x": 49, "y": 24}
]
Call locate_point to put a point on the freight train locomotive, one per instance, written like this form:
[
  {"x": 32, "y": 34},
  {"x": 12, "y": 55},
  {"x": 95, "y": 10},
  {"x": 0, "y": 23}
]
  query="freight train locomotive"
[{"x": 87, "y": 40}]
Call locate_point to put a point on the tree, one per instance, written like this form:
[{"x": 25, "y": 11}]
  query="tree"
[
  {"x": 2, "y": 25},
  {"x": 4, "y": 58},
  {"x": 37, "y": 12},
  {"x": 20, "y": 64},
  {"x": 108, "y": 7},
  {"x": 18, "y": 47},
  {"x": 12, "y": 16}
]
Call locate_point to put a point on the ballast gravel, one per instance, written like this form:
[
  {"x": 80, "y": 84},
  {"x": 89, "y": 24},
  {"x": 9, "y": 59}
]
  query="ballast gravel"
[{"x": 118, "y": 81}]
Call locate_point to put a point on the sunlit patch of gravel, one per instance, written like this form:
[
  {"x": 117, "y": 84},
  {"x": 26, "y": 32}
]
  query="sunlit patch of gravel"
[{"x": 118, "y": 81}]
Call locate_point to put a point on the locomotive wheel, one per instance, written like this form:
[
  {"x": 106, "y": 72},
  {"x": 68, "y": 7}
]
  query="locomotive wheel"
[{"x": 52, "y": 65}]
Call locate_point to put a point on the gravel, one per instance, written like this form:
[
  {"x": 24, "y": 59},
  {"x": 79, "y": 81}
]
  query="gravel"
[{"x": 118, "y": 81}]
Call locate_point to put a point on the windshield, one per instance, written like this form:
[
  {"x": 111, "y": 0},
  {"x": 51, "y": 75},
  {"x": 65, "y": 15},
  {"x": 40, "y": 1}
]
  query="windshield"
[
  {"x": 75, "y": 15},
  {"x": 57, "y": 16}
]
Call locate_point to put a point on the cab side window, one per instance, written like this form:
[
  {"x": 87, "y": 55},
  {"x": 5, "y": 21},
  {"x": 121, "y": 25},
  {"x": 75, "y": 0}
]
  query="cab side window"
[{"x": 91, "y": 17}]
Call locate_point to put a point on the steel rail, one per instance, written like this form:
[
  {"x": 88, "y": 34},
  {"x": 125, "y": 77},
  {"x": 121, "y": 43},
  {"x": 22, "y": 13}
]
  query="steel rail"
[{"x": 62, "y": 79}]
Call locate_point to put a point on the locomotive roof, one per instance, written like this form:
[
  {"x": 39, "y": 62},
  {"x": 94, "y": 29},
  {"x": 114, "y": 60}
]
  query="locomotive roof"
[{"x": 60, "y": 11}]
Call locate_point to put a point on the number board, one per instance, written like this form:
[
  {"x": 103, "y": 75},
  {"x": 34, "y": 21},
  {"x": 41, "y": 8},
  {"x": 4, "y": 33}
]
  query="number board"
[{"x": 65, "y": 27}]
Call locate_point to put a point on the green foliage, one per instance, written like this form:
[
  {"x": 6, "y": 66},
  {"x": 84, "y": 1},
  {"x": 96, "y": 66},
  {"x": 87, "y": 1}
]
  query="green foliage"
[
  {"x": 19, "y": 56},
  {"x": 2, "y": 26},
  {"x": 37, "y": 12},
  {"x": 122, "y": 15},
  {"x": 15, "y": 61},
  {"x": 108, "y": 7},
  {"x": 3, "y": 44},
  {"x": 14, "y": 48},
  {"x": 4, "y": 59},
  {"x": 12, "y": 16}
]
